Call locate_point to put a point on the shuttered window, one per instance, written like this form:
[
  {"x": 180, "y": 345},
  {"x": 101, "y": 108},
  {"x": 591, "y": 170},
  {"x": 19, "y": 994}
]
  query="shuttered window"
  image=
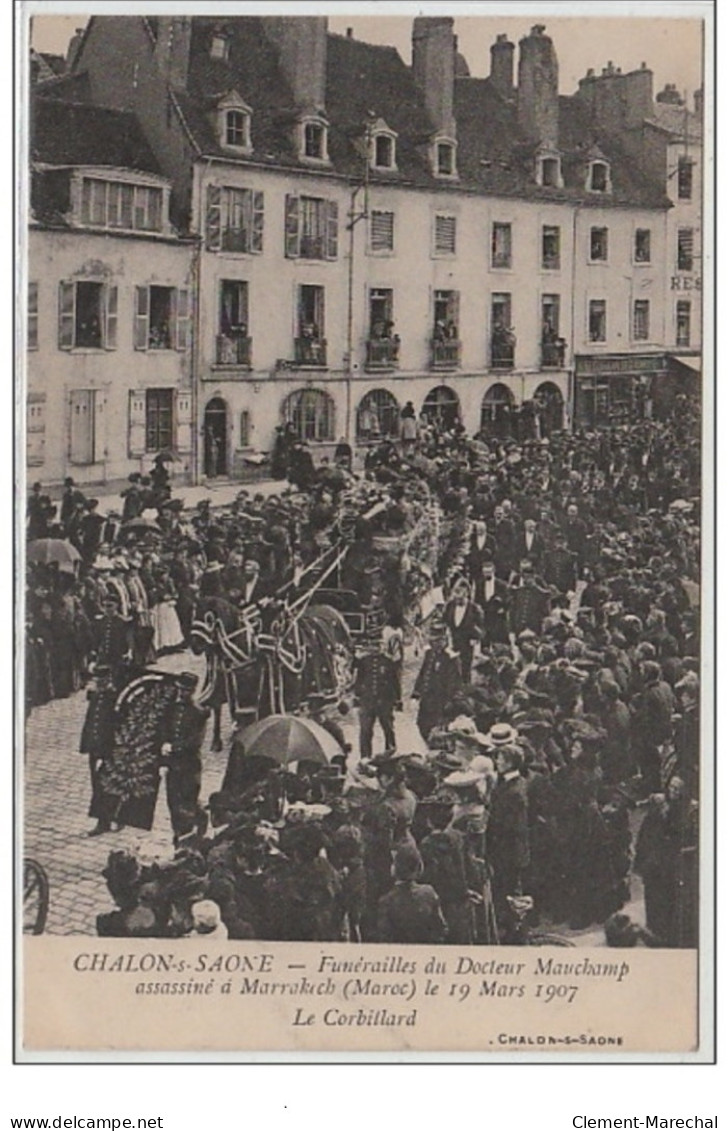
[
  {"x": 159, "y": 419},
  {"x": 32, "y": 316},
  {"x": 87, "y": 315},
  {"x": 311, "y": 228},
  {"x": 381, "y": 231},
  {"x": 235, "y": 219},
  {"x": 35, "y": 429},
  {"x": 685, "y": 249},
  {"x": 161, "y": 318},
  {"x": 445, "y": 235}
]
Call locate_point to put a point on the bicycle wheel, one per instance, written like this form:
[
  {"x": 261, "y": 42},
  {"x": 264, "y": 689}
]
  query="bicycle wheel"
[
  {"x": 36, "y": 891},
  {"x": 545, "y": 938}
]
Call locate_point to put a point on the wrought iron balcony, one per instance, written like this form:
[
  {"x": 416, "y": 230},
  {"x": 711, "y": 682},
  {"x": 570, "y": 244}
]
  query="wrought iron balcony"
[
  {"x": 310, "y": 352},
  {"x": 502, "y": 356},
  {"x": 233, "y": 349},
  {"x": 552, "y": 355},
  {"x": 445, "y": 355},
  {"x": 382, "y": 354}
]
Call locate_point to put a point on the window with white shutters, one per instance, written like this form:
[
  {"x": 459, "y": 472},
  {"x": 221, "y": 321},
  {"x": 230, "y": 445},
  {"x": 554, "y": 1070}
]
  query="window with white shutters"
[
  {"x": 35, "y": 429},
  {"x": 445, "y": 235},
  {"x": 381, "y": 231},
  {"x": 161, "y": 318},
  {"x": 311, "y": 228},
  {"x": 235, "y": 219},
  {"x": 87, "y": 315}
]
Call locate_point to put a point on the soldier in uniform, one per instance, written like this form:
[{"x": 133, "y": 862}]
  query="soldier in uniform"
[
  {"x": 112, "y": 643},
  {"x": 184, "y": 733},
  {"x": 376, "y": 691},
  {"x": 438, "y": 681},
  {"x": 530, "y": 603},
  {"x": 97, "y": 740}
]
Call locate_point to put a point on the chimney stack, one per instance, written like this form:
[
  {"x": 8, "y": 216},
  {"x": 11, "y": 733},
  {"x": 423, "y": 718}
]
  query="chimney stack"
[
  {"x": 433, "y": 68},
  {"x": 173, "y": 49},
  {"x": 538, "y": 88},
  {"x": 72, "y": 50},
  {"x": 501, "y": 65},
  {"x": 301, "y": 45}
]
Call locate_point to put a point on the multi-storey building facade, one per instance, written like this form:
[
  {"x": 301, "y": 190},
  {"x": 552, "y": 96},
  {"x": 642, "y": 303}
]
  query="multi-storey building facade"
[
  {"x": 369, "y": 233},
  {"x": 109, "y": 382}
]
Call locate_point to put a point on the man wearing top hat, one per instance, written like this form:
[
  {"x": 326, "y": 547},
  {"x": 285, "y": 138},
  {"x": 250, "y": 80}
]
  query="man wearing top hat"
[{"x": 183, "y": 734}]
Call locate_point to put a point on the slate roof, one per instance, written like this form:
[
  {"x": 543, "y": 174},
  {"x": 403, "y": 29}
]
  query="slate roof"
[
  {"x": 69, "y": 133},
  {"x": 367, "y": 80}
]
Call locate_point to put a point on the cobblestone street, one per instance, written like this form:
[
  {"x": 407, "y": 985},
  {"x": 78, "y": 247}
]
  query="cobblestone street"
[{"x": 57, "y": 794}]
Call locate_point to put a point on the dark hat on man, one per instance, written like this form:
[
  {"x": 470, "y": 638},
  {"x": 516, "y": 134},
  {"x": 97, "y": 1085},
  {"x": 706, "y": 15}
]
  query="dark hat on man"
[{"x": 186, "y": 680}]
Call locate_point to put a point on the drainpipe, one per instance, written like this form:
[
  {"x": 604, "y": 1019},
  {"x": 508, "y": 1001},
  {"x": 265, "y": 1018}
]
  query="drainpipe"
[
  {"x": 194, "y": 360},
  {"x": 571, "y": 381},
  {"x": 354, "y": 218}
]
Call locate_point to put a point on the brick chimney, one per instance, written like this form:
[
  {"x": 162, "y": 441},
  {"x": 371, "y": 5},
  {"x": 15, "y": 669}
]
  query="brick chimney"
[
  {"x": 172, "y": 51},
  {"x": 301, "y": 44},
  {"x": 433, "y": 68},
  {"x": 538, "y": 88},
  {"x": 616, "y": 101},
  {"x": 501, "y": 65}
]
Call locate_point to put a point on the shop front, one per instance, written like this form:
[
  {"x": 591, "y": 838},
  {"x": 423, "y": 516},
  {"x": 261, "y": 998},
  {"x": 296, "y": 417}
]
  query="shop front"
[{"x": 610, "y": 390}]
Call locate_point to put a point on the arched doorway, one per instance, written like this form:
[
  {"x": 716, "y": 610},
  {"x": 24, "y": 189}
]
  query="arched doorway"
[
  {"x": 442, "y": 407},
  {"x": 496, "y": 413},
  {"x": 550, "y": 404},
  {"x": 377, "y": 417},
  {"x": 216, "y": 438}
]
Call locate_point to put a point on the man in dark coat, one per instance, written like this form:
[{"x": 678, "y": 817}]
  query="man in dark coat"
[
  {"x": 183, "y": 733},
  {"x": 443, "y": 857},
  {"x": 480, "y": 550},
  {"x": 438, "y": 681},
  {"x": 504, "y": 538},
  {"x": 652, "y": 710},
  {"x": 560, "y": 566},
  {"x": 575, "y": 532},
  {"x": 97, "y": 740},
  {"x": 376, "y": 690},
  {"x": 464, "y": 622},
  {"x": 530, "y": 544},
  {"x": 410, "y": 912},
  {"x": 507, "y": 834},
  {"x": 529, "y": 602},
  {"x": 491, "y": 595},
  {"x": 133, "y": 499}
]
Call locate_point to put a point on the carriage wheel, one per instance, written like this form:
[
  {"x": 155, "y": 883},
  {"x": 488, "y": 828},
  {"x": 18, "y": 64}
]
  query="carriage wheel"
[{"x": 36, "y": 891}]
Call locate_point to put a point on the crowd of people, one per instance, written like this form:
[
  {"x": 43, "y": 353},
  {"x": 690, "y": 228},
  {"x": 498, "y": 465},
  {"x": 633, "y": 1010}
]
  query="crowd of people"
[{"x": 557, "y": 700}]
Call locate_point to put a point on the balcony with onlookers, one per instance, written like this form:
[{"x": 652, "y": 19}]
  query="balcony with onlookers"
[
  {"x": 233, "y": 350},
  {"x": 382, "y": 354},
  {"x": 310, "y": 351},
  {"x": 445, "y": 345},
  {"x": 553, "y": 353},
  {"x": 502, "y": 348}
]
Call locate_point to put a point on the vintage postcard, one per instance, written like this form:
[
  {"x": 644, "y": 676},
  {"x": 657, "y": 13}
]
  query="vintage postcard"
[{"x": 365, "y": 385}]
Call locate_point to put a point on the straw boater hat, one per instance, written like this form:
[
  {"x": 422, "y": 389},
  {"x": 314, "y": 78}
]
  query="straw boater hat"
[
  {"x": 502, "y": 734},
  {"x": 464, "y": 729}
]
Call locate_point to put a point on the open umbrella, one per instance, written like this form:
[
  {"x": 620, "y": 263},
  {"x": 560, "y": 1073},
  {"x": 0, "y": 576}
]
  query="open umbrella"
[
  {"x": 142, "y": 524},
  {"x": 289, "y": 738},
  {"x": 43, "y": 551}
]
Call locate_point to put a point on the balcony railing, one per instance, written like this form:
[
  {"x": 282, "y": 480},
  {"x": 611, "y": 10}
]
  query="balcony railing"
[
  {"x": 310, "y": 352},
  {"x": 552, "y": 355},
  {"x": 382, "y": 353},
  {"x": 502, "y": 357},
  {"x": 445, "y": 355},
  {"x": 233, "y": 350}
]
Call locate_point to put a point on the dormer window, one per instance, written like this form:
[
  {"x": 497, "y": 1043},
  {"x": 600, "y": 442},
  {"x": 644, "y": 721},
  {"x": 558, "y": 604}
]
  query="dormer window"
[
  {"x": 550, "y": 172},
  {"x": 313, "y": 140},
  {"x": 382, "y": 147},
  {"x": 233, "y": 123},
  {"x": 219, "y": 46},
  {"x": 236, "y": 129},
  {"x": 445, "y": 159},
  {"x": 598, "y": 177}
]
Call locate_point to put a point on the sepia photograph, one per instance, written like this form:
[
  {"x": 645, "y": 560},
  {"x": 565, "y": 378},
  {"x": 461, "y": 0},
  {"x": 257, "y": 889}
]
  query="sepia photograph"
[{"x": 362, "y": 370}]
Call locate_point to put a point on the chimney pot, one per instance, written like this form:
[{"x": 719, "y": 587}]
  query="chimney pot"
[
  {"x": 501, "y": 65},
  {"x": 350, "y": 33}
]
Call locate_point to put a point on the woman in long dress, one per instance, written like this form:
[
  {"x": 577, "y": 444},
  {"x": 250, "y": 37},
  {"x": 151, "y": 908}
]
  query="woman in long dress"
[{"x": 168, "y": 635}]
